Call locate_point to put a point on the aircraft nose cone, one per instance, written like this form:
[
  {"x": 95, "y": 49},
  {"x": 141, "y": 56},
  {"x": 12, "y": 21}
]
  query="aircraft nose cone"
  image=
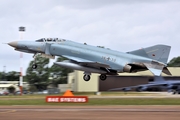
[{"x": 13, "y": 44}]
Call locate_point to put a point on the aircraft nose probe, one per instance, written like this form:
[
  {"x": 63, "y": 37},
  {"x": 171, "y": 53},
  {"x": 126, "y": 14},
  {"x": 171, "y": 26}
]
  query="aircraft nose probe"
[{"x": 13, "y": 44}]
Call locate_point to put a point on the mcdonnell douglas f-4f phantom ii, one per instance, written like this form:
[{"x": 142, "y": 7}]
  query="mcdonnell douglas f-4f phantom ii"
[{"x": 92, "y": 59}]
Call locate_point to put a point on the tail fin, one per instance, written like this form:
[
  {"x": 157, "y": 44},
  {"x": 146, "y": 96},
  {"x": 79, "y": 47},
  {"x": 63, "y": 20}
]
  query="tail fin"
[{"x": 157, "y": 52}]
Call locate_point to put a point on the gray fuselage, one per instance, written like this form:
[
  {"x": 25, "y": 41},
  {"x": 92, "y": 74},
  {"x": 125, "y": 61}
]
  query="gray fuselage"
[{"x": 115, "y": 59}]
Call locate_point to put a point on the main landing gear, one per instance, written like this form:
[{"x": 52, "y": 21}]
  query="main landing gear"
[
  {"x": 103, "y": 77},
  {"x": 87, "y": 77}
]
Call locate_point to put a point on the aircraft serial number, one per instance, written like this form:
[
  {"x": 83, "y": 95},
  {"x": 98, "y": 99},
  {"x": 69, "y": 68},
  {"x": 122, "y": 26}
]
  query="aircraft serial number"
[{"x": 109, "y": 59}]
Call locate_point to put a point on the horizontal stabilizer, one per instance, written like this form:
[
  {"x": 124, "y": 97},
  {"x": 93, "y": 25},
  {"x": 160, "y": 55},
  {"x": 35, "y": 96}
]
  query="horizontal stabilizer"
[
  {"x": 166, "y": 71},
  {"x": 155, "y": 67}
]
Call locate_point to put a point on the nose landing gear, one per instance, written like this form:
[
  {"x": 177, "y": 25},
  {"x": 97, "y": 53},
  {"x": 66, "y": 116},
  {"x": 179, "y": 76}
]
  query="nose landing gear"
[{"x": 34, "y": 65}]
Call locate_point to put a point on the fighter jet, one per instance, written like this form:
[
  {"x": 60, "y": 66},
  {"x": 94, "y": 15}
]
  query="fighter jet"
[
  {"x": 159, "y": 82},
  {"x": 95, "y": 59}
]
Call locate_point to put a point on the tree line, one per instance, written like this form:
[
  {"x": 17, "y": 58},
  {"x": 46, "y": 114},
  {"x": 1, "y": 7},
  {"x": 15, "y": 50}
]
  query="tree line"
[{"x": 42, "y": 76}]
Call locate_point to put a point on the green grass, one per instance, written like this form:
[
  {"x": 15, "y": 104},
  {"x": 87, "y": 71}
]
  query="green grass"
[
  {"x": 125, "y": 94},
  {"x": 81, "y": 94},
  {"x": 99, "y": 101},
  {"x": 40, "y": 99},
  {"x": 136, "y": 101}
]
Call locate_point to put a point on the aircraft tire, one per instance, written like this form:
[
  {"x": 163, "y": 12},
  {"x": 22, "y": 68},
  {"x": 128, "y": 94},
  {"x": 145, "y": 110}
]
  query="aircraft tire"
[
  {"x": 34, "y": 66},
  {"x": 103, "y": 77},
  {"x": 86, "y": 77}
]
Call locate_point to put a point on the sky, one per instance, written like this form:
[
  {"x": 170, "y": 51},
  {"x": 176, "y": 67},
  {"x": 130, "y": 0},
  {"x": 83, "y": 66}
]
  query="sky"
[{"x": 122, "y": 25}]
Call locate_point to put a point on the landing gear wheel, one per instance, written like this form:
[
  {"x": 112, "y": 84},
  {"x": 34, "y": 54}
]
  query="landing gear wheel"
[
  {"x": 34, "y": 66},
  {"x": 103, "y": 77},
  {"x": 86, "y": 77}
]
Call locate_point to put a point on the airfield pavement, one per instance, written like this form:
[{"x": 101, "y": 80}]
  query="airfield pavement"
[
  {"x": 90, "y": 112},
  {"x": 118, "y": 112}
]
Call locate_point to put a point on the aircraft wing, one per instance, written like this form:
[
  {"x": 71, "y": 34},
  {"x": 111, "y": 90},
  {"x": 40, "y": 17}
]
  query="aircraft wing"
[
  {"x": 76, "y": 59},
  {"x": 89, "y": 63},
  {"x": 94, "y": 64}
]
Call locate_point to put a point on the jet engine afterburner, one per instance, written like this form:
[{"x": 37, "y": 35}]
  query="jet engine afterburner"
[{"x": 127, "y": 68}]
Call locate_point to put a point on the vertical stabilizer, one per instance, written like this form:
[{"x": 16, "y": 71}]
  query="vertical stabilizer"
[{"x": 156, "y": 52}]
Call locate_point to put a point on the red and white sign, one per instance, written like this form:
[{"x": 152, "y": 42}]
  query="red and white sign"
[
  {"x": 68, "y": 97},
  {"x": 77, "y": 99}
]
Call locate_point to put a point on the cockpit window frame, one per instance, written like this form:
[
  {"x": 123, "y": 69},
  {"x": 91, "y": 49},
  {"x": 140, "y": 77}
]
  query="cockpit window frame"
[{"x": 50, "y": 40}]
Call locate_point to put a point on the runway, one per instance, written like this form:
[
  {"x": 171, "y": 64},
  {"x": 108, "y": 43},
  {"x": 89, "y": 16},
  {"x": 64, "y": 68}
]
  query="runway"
[
  {"x": 92, "y": 112},
  {"x": 130, "y": 112}
]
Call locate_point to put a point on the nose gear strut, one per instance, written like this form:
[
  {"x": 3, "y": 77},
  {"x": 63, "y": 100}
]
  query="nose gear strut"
[{"x": 34, "y": 65}]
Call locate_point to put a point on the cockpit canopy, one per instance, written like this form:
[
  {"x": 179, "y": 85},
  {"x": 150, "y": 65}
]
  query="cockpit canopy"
[{"x": 50, "y": 40}]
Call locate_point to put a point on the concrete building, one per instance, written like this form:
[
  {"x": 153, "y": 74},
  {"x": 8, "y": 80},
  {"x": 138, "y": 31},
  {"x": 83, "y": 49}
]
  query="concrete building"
[
  {"x": 77, "y": 84},
  {"x": 4, "y": 87}
]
